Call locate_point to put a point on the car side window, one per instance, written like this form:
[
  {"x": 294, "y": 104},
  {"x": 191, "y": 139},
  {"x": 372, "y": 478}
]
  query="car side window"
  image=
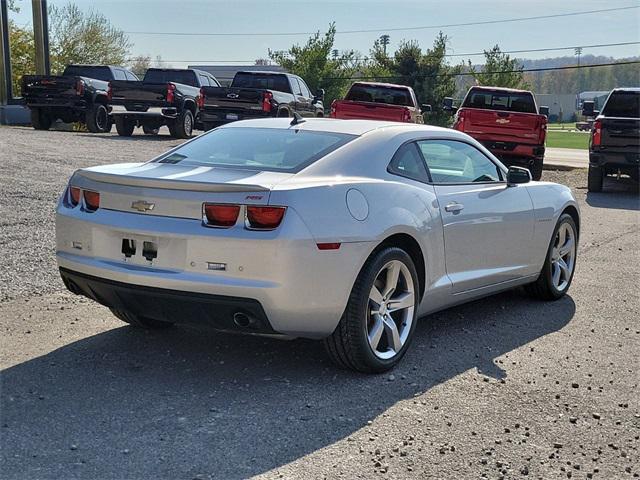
[
  {"x": 451, "y": 161},
  {"x": 408, "y": 163},
  {"x": 305, "y": 90},
  {"x": 204, "y": 81},
  {"x": 296, "y": 86},
  {"x": 119, "y": 75},
  {"x": 130, "y": 76},
  {"x": 213, "y": 82}
]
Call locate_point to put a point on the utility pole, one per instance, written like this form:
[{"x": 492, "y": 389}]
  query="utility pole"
[
  {"x": 335, "y": 53},
  {"x": 384, "y": 40},
  {"x": 578, "y": 52}
]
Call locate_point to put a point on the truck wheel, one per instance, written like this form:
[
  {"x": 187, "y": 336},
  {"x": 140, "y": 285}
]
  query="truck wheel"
[
  {"x": 150, "y": 130},
  {"x": 40, "y": 120},
  {"x": 97, "y": 119},
  {"x": 124, "y": 127},
  {"x": 142, "y": 322},
  {"x": 536, "y": 168},
  {"x": 182, "y": 127},
  {"x": 284, "y": 113},
  {"x": 595, "y": 179}
]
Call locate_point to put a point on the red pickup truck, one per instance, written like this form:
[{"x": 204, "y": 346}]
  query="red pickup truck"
[
  {"x": 507, "y": 122},
  {"x": 379, "y": 101}
]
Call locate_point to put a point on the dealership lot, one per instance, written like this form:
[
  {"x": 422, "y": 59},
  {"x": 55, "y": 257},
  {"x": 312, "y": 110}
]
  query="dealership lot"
[{"x": 502, "y": 387}]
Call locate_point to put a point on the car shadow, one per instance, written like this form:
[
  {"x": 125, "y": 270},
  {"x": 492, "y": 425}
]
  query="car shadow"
[
  {"x": 620, "y": 193},
  {"x": 186, "y": 402}
]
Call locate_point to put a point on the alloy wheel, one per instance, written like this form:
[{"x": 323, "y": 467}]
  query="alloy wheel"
[
  {"x": 390, "y": 310},
  {"x": 563, "y": 255}
]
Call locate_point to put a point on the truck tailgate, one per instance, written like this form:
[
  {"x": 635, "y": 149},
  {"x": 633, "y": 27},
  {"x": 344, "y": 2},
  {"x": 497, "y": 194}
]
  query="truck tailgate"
[
  {"x": 232, "y": 98},
  {"x": 347, "y": 109},
  {"x": 42, "y": 87},
  {"x": 620, "y": 132},
  {"x": 138, "y": 94},
  {"x": 502, "y": 125}
]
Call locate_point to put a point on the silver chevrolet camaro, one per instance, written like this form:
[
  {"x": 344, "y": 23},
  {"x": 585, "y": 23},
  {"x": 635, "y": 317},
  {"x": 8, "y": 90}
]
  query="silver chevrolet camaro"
[{"x": 346, "y": 231}]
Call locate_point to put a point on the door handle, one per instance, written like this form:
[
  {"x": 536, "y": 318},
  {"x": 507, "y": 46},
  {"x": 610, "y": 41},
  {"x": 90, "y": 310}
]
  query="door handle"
[{"x": 454, "y": 207}]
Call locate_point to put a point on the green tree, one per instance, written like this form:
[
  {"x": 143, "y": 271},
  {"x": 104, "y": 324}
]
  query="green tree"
[
  {"x": 23, "y": 55},
  {"x": 499, "y": 70},
  {"x": 84, "y": 37},
  {"x": 140, "y": 64},
  {"x": 315, "y": 63}
]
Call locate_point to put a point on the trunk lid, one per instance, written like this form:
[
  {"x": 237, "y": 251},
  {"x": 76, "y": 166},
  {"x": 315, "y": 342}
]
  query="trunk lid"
[{"x": 175, "y": 190}]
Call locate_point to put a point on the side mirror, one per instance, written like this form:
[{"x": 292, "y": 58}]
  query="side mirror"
[
  {"x": 588, "y": 108},
  {"x": 544, "y": 111},
  {"x": 517, "y": 175},
  {"x": 319, "y": 94},
  {"x": 447, "y": 105},
  {"x": 426, "y": 108}
]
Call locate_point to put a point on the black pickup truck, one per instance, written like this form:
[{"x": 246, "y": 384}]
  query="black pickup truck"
[
  {"x": 80, "y": 94},
  {"x": 258, "y": 95},
  {"x": 165, "y": 96},
  {"x": 614, "y": 146}
]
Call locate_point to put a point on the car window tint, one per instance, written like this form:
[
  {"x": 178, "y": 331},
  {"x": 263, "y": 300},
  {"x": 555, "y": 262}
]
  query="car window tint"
[
  {"x": 450, "y": 161},
  {"x": 186, "y": 77},
  {"x": 204, "y": 81},
  {"x": 360, "y": 92},
  {"x": 268, "y": 81},
  {"x": 305, "y": 90},
  {"x": 130, "y": 76},
  {"x": 119, "y": 75},
  {"x": 501, "y": 100},
  {"x": 623, "y": 104},
  {"x": 407, "y": 162},
  {"x": 296, "y": 86}
]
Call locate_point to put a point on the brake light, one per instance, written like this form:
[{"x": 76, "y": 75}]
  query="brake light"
[
  {"x": 266, "y": 101},
  {"x": 200, "y": 99},
  {"x": 596, "y": 133},
  {"x": 543, "y": 129},
  {"x": 458, "y": 122},
  {"x": 406, "y": 115},
  {"x": 223, "y": 216},
  {"x": 264, "y": 218},
  {"x": 91, "y": 200},
  {"x": 109, "y": 92},
  {"x": 74, "y": 196},
  {"x": 333, "y": 109},
  {"x": 79, "y": 87},
  {"x": 171, "y": 89}
]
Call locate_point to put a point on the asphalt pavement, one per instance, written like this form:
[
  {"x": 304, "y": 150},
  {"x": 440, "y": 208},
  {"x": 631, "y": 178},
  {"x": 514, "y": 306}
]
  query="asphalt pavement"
[
  {"x": 504, "y": 387},
  {"x": 566, "y": 158}
]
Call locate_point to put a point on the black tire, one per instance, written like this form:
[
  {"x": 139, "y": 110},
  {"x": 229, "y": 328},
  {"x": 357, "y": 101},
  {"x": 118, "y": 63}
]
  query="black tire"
[
  {"x": 348, "y": 346},
  {"x": 536, "y": 168},
  {"x": 97, "y": 119},
  {"x": 595, "y": 179},
  {"x": 150, "y": 130},
  {"x": 182, "y": 126},
  {"x": 284, "y": 113},
  {"x": 140, "y": 322},
  {"x": 543, "y": 288},
  {"x": 40, "y": 120},
  {"x": 124, "y": 126}
]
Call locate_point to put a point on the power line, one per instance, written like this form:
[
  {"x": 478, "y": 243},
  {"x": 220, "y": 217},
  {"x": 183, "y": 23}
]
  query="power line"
[
  {"x": 377, "y": 30},
  {"x": 462, "y": 74},
  {"x": 550, "y": 49}
]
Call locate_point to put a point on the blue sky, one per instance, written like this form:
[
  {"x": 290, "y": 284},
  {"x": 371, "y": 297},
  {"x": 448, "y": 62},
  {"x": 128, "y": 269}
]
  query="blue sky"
[{"x": 239, "y": 16}]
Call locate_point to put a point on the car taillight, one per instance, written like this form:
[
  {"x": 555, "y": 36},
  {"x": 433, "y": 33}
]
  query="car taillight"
[
  {"x": 171, "y": 95},
  {"x": 458, "y": 122},
  {"x": 266, "y": 101},
  {"x": 200, "y": 99},
  {"x": 74, "y": 196},
  {"x": 264, "y": 218},
  {"x": 596, "y": 133},
  {"x": 79, "y": 87},
  {"x": 406, "y": 115},
  {"x": 333, "y": 109},
  {"x": 109, "y": 92},
  {"x": 91, "y": 200},
  {"x": 224, "y": 216},
  {"x": 543, "y": 130}
]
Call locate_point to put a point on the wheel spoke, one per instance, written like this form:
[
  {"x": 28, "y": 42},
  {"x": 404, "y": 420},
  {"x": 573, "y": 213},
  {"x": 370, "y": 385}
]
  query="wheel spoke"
[
  {"x": 562, "y": 236},
  {"x": 393, "y": 274},
  {"x": 556, "y": 274},
  {"x": 375, "y": 334},
  {"x": 391, "y": 331},
  {"x": 402, "y": 301},
  {"x": 564, "y": 268},
  {"x": 375, "y": 296},
  {"x": 566, "y": 247}
]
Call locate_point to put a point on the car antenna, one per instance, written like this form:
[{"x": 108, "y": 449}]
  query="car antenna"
[{"x": 297, "y": 118}]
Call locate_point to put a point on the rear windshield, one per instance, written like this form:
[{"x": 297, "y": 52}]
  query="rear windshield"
[
  {"x": 271, "y": 149},
  {"x": 278, "y": 83},
  {"x": 500, "y": 100},
  {"x": 99, "y": 73},
  {"x": 380, "y": 94},
  {"x": 623, "y": 104},
  {"x": 186, "y": 77}
]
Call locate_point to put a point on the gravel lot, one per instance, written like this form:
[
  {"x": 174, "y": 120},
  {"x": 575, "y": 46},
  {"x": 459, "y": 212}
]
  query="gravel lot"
[{"x": 505, "y": 387}]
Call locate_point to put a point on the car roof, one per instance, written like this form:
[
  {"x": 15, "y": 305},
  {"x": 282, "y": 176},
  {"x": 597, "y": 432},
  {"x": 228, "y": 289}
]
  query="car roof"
[
  {"x": 498, "y": 89},
  {"x": 382, "y": 84},
  {"x": 350, "y": 127},
  {"x": 627, "y": 89},
  {"x": 264, "y": 72}
]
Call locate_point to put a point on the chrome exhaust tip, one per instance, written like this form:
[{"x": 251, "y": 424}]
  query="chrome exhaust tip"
[{"x": 242, "y": 320}]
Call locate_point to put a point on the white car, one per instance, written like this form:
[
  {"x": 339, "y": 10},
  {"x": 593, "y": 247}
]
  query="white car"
[{"x": 346, "y": 231}]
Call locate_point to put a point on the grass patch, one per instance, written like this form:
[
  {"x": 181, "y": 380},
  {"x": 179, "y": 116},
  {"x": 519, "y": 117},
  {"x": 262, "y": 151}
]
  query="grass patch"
[{"x": 561, "y": 139}]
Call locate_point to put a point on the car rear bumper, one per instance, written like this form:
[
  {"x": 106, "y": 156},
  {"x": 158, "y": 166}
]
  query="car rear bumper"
[
  {"x": 56, "y": 103},
  {"x": 514, "y": 150},
  {"x": 221, "y": 116},
  {"x": 625, "y": 159},
  {"x": 218, "y": 311},
  {"x": 150, "y": 113},
  {"x": 302, "y": 290}
]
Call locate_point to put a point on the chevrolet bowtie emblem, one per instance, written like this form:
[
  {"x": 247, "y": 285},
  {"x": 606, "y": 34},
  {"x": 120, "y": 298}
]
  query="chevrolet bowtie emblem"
[
  {"x": 502, "y": 120},
  {"x": 142, "y": 206}
]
